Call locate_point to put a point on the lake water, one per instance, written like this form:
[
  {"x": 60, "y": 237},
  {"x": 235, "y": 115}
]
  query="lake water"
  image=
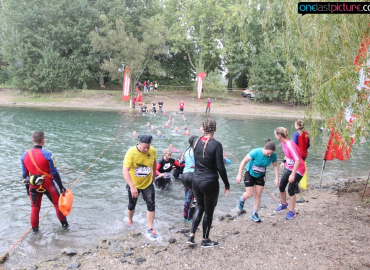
[{"x": 77, "y": 137}]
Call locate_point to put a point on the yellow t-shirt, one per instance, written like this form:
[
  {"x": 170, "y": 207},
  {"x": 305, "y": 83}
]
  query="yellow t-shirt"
[{"x": 141, "y": 165}]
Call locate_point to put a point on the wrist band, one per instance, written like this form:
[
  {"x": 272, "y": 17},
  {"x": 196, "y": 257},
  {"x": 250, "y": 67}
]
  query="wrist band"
[{"x": 284, "y": 161}]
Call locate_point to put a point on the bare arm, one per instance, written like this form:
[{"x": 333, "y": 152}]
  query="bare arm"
[
  {"x": 127, "y": 177},
  {"x": 276, "y": 170},
  {"x": 241, "y": 168}
]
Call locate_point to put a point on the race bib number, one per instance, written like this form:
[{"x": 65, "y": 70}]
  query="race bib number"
[
  {"x": 258, "y": 169},
  {"x": 142, "y": 171},
  {"x": 290, "y": 162}
]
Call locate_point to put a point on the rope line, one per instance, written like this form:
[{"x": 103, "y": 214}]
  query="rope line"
[
  {"x": 272, "y": 195},
  {"x": 73, "y": 183}
]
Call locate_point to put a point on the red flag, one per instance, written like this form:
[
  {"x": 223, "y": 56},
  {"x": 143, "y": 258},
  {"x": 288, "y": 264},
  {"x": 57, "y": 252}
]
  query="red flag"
[
  {"x": 337, "y": 147},
  {"x": 126, "y": 84},
  {"x": 201, "y": 76}
]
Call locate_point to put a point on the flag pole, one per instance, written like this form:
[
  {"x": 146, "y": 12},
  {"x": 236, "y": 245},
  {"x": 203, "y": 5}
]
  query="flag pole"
[
  {"x": 322, "y": 170},
  {"x": 365, "y": 187}
]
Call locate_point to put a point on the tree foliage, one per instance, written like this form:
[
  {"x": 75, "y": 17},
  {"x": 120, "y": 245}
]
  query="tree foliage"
[
  {"x": 46, "y": 44},
  {"x": 124, "y": 49}
]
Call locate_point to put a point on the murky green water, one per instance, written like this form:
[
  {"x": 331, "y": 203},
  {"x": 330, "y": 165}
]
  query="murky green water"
[{"x": 77, "y": 137}]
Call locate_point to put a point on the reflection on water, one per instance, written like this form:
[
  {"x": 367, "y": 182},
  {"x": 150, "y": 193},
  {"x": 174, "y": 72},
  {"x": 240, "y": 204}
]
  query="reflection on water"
[{"x": 76, "y": 138}]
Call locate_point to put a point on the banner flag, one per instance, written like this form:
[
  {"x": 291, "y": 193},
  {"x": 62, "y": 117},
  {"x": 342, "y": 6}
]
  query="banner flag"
[
  {"x": 126, "y": 84},
  {"x": 337, "y": 147},
  {"x": 201, "y": 77}
]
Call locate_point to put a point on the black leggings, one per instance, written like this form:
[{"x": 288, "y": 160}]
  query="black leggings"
[
  {"x": 206, "y": 189},
  {"x": 292, "y": 188},
  {"x": 148, "y": 195}
]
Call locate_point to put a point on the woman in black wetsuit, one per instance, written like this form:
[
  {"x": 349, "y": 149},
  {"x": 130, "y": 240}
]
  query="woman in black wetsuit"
[{"x": 208, "y": 156}]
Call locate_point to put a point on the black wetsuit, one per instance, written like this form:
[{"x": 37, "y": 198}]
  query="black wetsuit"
[
  {"x": 143, "y": 109},
  {"x": 178, "y": 170},
  {"x": 205, "y": 182},
  {"x": 154, "y": 110}
]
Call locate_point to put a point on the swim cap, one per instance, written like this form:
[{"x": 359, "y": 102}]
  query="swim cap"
[{"x": 143, "y": 138}]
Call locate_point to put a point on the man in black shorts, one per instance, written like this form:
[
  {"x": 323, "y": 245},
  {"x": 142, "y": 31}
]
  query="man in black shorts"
[{"x": 139, "y": 167}]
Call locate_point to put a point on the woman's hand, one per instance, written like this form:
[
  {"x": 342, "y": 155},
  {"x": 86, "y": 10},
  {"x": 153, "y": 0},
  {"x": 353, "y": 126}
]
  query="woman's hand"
[
  {"x": 282, "y": 165},
  {"x": 238, "y": 178},
  {"x": 291, "y": 178},
  {"x": 276, "y": 182},
  {"x": 226, "y": 191}
]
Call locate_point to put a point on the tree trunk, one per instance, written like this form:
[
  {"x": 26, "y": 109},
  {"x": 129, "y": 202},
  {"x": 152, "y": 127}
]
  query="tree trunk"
[{"x": 230, "y": 82}]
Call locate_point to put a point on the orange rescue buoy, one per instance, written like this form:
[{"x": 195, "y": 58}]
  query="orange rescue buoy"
[{"x": 65, "y": 202}]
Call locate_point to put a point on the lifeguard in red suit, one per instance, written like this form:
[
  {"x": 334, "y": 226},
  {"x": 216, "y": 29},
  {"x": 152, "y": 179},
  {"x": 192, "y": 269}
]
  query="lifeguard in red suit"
[{"x": 40, "y": 175}]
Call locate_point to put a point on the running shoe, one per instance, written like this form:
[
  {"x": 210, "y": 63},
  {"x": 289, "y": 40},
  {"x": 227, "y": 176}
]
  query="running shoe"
[
  {"x": 240, "y": 204},
  {"x": 191, "y": 240},
  {"x": 255, "y": 218},
  {"x": 209, "y": 243},
  {"x": 129, "y": 223},
  {"x": 187, "y": 220},
  {"x": 282, "y": 206},
  {"x": 290, "y": 215},
  {"x": 152, "y": 233}
]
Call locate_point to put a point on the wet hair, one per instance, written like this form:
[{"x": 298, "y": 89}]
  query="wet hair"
[
  {"x": 167, "y": 151},
  {"x": 209, "y": 126},
  {"x": 38, "y": 136},
  {"x": 300, "y": 124},
  {"x": 269, "y": 145},
  {"x": 143, "y": 138},
  {"x": 282, "y": 131},
  {"x": 191, "y": 139}
]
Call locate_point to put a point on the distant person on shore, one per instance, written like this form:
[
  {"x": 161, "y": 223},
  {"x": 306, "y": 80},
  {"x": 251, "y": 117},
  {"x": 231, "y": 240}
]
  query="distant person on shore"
[
  {"x": 151, "y": 87},
  {"x": 139, "y": 167},
  {"x": 294, "y": 170},
  {"x": 208, "y": 108},
  {"x": 209, "y": 165},
  {"x": 140, "y": 98},
  {"x": 39, "y": 174},
  {"x": 155, "y": 86},
  {"x": 182, "y": 104},
  {"x": 133, "y": 101},
  {"x": 254, "y": 167},
  {"x": 160, "y": 105},
  {"x": 145, "y": 87}
]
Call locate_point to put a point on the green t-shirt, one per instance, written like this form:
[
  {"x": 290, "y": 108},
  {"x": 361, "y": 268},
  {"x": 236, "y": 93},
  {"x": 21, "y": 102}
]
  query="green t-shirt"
[{"x": 258, "y": 163}]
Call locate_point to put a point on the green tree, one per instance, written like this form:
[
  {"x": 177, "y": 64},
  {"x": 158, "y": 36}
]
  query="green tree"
[
  {"x": 126, "y": 50},
  {"x": 195, "y": 28},
  {"x": 327, "y": 46},
  {"x": 47, "y": 45}
]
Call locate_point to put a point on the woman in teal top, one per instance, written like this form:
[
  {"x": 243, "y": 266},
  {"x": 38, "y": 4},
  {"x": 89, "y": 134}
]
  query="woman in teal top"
[{"x": 255, "y": 164}]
